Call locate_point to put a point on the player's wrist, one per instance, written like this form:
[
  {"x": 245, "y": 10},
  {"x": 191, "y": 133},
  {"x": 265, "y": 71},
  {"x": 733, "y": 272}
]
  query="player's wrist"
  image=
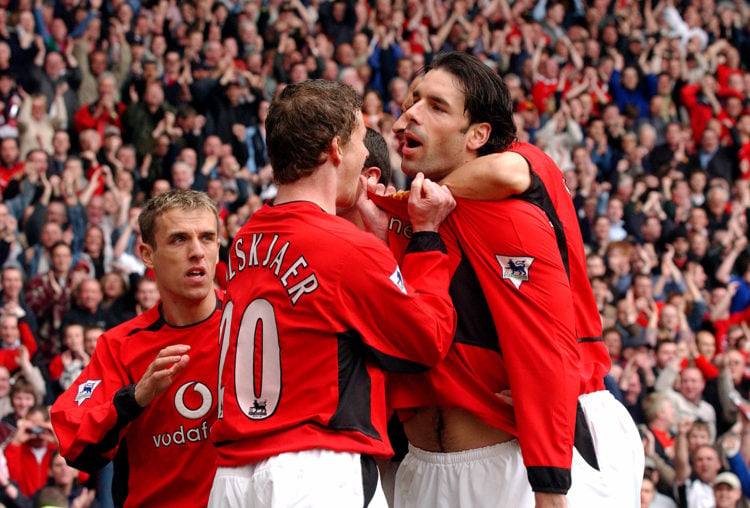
[
  {"x": 125, "y": 403},
  {"x": 550, "y": 500}
]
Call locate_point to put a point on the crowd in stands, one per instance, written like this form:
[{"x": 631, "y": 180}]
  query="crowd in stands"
[{"x": 644, "y": 106}]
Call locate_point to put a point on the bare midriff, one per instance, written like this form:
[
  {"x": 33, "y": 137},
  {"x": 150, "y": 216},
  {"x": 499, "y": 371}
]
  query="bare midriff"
[{"x": 436, "y": 429}]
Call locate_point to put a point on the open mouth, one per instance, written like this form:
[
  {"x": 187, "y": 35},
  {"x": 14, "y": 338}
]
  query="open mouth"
[
  {"x": 409, "y": 144},
  {"x": 196, "y": 273}
]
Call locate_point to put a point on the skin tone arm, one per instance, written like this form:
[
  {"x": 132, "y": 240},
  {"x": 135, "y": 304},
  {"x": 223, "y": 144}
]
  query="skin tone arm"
[
  {"x": 682, "y": 455},
  {"x": 502, "y": 175}
]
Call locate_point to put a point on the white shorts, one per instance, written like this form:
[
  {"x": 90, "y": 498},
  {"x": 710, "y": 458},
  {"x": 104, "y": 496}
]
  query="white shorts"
[
  {"x": 495, "y": 477},
  {"x": 619, "y": 450},
  {"x": 312, "y": 478}
]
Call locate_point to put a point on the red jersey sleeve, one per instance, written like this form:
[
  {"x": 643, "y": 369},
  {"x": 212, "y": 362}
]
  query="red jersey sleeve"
[
  {"x": 87, "y": 414},
  {"x": 402, "y": 314}
]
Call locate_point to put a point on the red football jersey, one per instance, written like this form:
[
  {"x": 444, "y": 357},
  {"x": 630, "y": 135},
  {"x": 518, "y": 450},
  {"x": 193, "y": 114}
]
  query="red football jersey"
[
  {"x": 162, "y": 454},
  {"x": 315, "y": 310},
  {"x": 595, "y": 361},
  {"x": 507, "y": 276}
]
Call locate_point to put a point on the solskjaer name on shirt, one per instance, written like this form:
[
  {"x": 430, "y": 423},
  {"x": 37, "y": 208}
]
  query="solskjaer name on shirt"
[{"x": 293, "y": 274}]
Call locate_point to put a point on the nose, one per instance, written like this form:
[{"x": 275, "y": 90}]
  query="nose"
[
  {"x": 400, "y": 124},
  {"x": 197, "y": 249}
]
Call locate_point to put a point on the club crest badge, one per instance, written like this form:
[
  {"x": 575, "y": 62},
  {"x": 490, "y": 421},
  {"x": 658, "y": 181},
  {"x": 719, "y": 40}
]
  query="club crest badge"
[
  {"x": 86, "y": 390},
  {"x": 398, "y": 280},
  {"x": 515, "y": 268}
]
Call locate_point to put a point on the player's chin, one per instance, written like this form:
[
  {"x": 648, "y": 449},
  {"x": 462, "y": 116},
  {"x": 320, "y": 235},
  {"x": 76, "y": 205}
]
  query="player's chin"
[
  {"x": 409, "y": 167},
  {"x": 198, "y": 291}
]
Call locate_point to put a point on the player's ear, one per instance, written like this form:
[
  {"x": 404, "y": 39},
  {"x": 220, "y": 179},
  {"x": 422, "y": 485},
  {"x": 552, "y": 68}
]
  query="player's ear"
[
  {"x": 478, "y": 135},
  {"x": 335, "y": 151},
  {"x": 147, "y": 253},
  {"x": 372, "y": 171}
]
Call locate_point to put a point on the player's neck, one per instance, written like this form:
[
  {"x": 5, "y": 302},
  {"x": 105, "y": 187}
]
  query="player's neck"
[
  {"x": 181, "y": 313},
  {"x": 352, "y": 215},
  {"x": 318, "y": 188}
]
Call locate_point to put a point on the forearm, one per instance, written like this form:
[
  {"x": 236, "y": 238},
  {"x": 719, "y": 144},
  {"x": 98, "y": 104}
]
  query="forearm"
[
  {"x": 492, "y": 177},
  {"x": 681, "y": 458},
  {"x": 665, "y": 380}
]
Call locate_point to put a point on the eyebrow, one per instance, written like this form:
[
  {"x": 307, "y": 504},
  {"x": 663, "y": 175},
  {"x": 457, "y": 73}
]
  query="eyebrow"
[
  {"x": 432, "y": 98},
  {"x": 181, "y": 232}
]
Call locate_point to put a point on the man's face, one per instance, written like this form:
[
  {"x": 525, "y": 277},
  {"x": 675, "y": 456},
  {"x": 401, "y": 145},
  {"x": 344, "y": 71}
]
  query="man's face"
[
  {"x": 90, "y": 338},
  {"x": 181, "y": 176},
  {"x": 354, "y": 154},
  {"x": 95, "y": 209},
  {"x": 126, "y": 156},
  {"x": 147, "y": 294},
  {"x": 726, "y": 496},
  {"x": 9, "y": 151},
  {"x": 691, "y": 384},
  {"x": 38, "y": 162},
  {"x": 61, "y": 259},
  {"x": 665, "y": 354},
  {"x": 735, "y": 363},
  {"x": 38, "y": 108},
  {"x": 90, "y": 294},
  {"x": 434, "y": 128},
  {"x": 706, "y": 464},
  {"x": 98, "y": 63},
  {"x": 50, "y": 234},
  {"x": 56, "y": 213},
  {"x": 9, "y": 330},
  {"x": 61, "y": 472},
  {"x": 61, "y": 142},
  {"x": 184, "y": 255}
]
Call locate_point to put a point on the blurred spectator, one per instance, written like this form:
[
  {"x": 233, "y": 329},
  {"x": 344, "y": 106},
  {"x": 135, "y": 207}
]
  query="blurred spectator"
[
  {"x": 94, "y": 63},
  {"x": 5, "y": 405},
  {"x": 96, "y": 253},
  {"x": 104, "y": 110},
  {"x": 65, "y": 367},
  {"x": 37, "y": 120},
  {"x": 65, "y": 478},
  {"x": 143, "y": 121},
  {"x": 85, "y": 307},
  {"x": 10, "y": 101},
  {"x": 59, "y": 75},
  {"x": 659, "y": 413},
  {"x": 29, "y": 453},
  {"x": 49, "y": 297},
  {"x": 687, "y": 399},
  {"x": 14, "y": 334},
  {"x": 23, "y": 396}
]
